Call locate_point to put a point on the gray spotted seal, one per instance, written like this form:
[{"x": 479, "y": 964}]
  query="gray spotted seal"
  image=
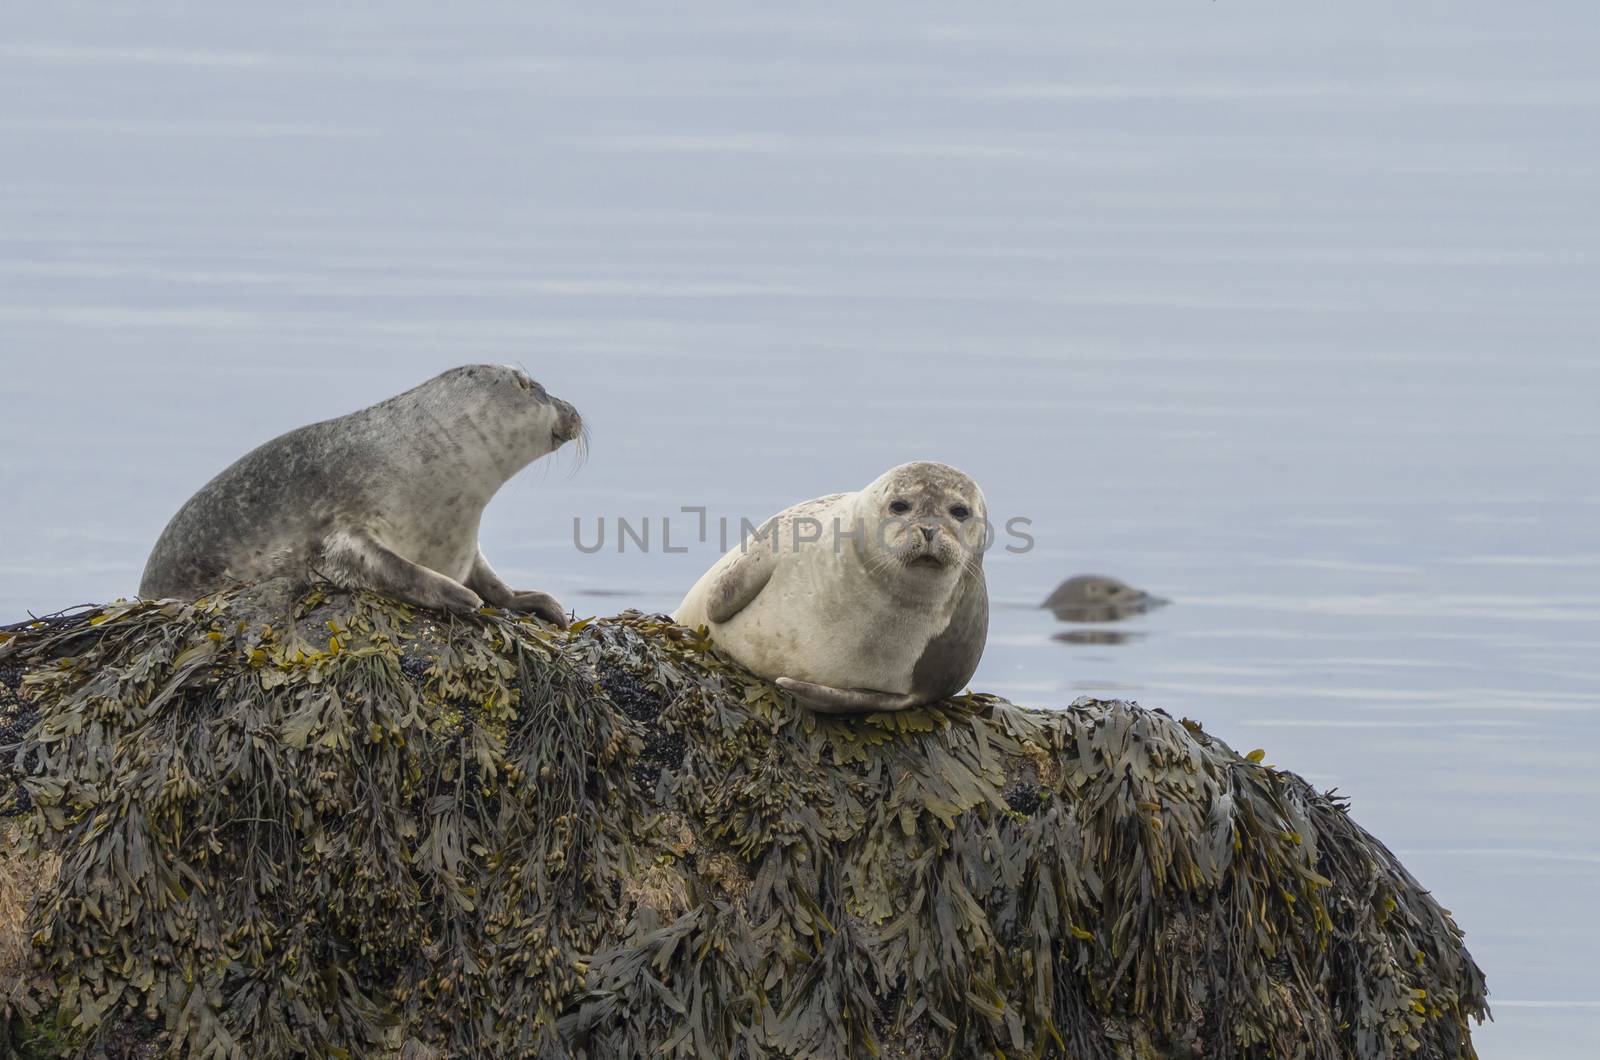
[
  {"x": 388, "y": 498},
  {"x": 872, "y": 600},
  {"x": 1098, "y": 598}
]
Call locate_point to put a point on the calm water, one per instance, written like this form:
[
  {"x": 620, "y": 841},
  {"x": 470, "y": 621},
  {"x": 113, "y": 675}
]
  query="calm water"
[{"x": 1288, "y": 316}]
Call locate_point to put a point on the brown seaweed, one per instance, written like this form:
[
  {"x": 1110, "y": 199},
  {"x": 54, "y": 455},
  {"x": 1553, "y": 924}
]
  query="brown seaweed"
[{"x": 337, "y": 826}]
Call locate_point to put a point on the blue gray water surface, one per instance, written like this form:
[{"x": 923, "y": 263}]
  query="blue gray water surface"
[{"x": 1286, "y": 314}]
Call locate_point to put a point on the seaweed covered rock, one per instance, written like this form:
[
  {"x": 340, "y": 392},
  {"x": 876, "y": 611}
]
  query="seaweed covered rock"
[{"x": 334, "y": 825}]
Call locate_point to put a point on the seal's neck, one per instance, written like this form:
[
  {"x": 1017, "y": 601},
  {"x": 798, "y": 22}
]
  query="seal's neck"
[{"x": 454, "y": 448}]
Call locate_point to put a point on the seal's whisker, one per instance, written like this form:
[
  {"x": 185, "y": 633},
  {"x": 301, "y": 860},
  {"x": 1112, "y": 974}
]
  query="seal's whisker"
[{"x": 580, "y": 450}]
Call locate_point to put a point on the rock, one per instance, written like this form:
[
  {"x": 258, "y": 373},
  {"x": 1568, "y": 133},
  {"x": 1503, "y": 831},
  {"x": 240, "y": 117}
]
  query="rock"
[{"x": 304, "y": 825}]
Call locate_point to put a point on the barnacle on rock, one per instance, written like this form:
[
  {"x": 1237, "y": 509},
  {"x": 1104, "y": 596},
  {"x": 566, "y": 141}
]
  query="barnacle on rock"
[{"x": 331, "y": 824}]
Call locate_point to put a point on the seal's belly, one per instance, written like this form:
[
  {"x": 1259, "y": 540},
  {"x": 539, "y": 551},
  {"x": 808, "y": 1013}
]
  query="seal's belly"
[{"x": 806, "y": 625}]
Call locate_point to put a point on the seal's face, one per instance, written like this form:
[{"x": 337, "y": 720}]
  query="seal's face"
[
  {"x": 1098, "y": 598},
  {"x": 1090, "y": 589},
  {"x": 507, "y": 397},
  {"x": 925, "y": 521}
]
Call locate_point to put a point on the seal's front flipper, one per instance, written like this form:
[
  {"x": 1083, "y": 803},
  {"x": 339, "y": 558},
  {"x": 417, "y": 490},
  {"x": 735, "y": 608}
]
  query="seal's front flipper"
[
  {"x": 826, "y": 700},
  {"x": 487, "y": 584},
  {"x": 542, "y": 606},
  {"x": 744, "y": 578},
  {"x": 356, "y": 558}
]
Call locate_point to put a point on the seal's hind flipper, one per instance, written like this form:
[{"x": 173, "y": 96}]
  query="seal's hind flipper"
[{"x": 826, "y": 700}]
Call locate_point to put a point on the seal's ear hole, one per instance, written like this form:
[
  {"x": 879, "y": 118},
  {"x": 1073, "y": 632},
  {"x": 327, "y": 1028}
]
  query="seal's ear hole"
[
  {"x": 899, "y": 507},
  {"x": 961, "y": 512}
]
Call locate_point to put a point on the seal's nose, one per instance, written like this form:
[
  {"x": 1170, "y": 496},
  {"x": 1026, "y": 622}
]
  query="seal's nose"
[
  {"x": 568, "y": 422},
  {"x": 928, "y": 532}
]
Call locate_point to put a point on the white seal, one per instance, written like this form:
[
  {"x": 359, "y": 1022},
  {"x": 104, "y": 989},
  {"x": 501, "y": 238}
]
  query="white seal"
[{"x": 873, "y": 600}]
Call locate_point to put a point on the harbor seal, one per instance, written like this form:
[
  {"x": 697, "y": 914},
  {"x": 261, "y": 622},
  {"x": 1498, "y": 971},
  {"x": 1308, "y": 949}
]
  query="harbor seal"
[
  {"x": 872, "y": 600},
  {"x": 387, "y": 498},
  {"x": 1098, "y": 598}
]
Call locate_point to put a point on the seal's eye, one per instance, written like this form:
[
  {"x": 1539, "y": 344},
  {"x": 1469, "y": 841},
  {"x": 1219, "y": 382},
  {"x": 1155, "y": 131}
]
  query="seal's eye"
[
  {"x": 961, "y": 511},
  {"x": 899, "y": 507}
]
